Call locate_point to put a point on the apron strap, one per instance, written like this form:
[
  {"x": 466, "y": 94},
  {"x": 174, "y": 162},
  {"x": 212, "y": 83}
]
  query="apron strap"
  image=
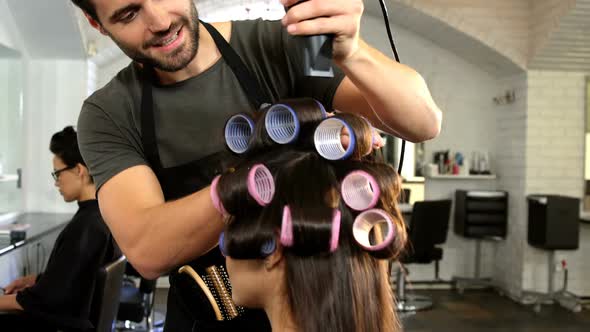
[
  {"x": 248, "y": 83},
  {"x": 148, "y": 124}
]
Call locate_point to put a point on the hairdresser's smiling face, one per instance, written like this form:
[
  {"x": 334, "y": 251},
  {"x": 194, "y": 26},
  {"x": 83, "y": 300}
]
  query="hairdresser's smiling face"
[{"x": 162, "y": 33}]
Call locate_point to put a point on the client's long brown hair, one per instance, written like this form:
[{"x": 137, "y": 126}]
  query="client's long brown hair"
[{"x": 345, "y": 290}]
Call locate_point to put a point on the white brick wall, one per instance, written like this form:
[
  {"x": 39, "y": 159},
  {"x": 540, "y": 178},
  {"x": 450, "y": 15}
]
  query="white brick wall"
[
  {"x": 464, "y": 93},
  {"x": 555, "y": 165},
  {"x": 510, "y": 144},
  {"x": 540, "y": 150},
  {"x": 546, "y": 121}
]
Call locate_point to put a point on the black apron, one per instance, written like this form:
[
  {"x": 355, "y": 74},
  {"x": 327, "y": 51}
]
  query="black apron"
[{"x": 185, "y": 310}]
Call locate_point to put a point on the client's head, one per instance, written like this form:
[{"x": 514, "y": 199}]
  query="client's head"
[
  {"x": 311, "y": 251},
  {"x": 70, "y": 173}
]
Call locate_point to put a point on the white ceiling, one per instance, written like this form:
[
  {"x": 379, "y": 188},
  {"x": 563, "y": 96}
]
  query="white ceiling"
[
  {"x": 568, "y": 46},
  {"x": 48, "y": 29},
  {"x": 444, "y": 35},
  {"x": 55, "y": 29}
]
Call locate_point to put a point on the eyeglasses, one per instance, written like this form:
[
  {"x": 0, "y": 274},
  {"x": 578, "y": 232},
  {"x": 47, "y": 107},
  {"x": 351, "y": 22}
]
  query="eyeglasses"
[{"x": 55, "y": 174}]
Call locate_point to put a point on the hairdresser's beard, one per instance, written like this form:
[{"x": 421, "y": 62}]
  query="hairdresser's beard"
[{"x": 179, "y": 58}]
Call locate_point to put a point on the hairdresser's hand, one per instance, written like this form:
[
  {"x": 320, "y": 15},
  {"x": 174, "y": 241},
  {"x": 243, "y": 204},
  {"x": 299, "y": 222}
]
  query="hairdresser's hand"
[
  {"x": 378, "y": 141},
  {"x": 342, "y": 18},
  {"x": 20, "y": 284}
]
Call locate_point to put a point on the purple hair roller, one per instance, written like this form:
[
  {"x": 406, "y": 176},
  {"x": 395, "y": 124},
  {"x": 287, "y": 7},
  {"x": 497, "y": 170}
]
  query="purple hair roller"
[
  {"x": 328, "y": 139},
  {"x": 261, "y": 185},
  {"x": 360, "y": 190},
  {"x": 215, "y": 196},
  {"x": 238, "y": 130},
  {"x": 282, "y": 124},
  {"x": 322, "y": 109},
  {"x": 365, "y": 222},
  {"x": 267, "y": 248},
  {"x": 373, "y": 132},
  {"x": 222, "y": 244}
]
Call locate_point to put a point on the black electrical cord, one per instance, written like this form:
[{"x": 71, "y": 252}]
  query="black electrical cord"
[{"x": 394, "y": 49}]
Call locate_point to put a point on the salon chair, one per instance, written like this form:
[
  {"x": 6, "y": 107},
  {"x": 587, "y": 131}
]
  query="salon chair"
[
  {"x": 553, "y": 224},
  {"x": 105, "y": 301},
  {"x": 428, "y": 230},
  {"x": 481, "y": 215},
  {"x": 136, "y": 302}
]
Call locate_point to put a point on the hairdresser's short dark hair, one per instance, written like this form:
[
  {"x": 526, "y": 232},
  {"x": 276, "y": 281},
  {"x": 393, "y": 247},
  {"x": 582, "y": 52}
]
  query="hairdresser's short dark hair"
[
  {"x": 64, "y": 144},
  {"x": 88, "y": 7}
]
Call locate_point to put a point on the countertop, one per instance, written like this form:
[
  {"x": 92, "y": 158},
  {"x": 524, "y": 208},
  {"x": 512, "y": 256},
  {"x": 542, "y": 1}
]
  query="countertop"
[{"x": 41, "y": 224}]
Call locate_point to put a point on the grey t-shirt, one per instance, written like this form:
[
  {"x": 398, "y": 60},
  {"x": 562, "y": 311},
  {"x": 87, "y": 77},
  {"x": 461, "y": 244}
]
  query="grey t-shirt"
[{"x": 190, "y": 115}]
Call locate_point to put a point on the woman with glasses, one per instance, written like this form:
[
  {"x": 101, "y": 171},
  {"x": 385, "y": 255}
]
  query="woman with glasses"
[{"x": 61, "y": 296}]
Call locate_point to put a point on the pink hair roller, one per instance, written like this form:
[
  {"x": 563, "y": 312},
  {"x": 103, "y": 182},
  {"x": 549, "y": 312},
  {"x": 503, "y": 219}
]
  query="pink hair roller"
[
  {"x": 215, "y": 196},
  {"x": 286, "y": 238},
  {"x": 286, "y": 228},
  {"x": 261, "y": 185},
  {"x": 365, "y": 222},
  {"x": 360, "y": 190}
]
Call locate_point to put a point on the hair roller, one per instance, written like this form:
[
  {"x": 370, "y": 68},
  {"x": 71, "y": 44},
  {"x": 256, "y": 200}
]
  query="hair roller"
[
  {"x": 286, "y": 121},
  {"x": 260, "y": 141},
  {"x": 214, "y": 192},
  {"x": 363, "y": 132},
  {"x": 246, "y": 188},
  {"x": 360, "y": 190},
  {"x": 374, "y": 133},
  {"x": 238, "y": 130},
  {"x": 362, "y": 230},
  {"x": 389, "y": 183},
  {"x": 286, "y": 228},
  {"x": 336, "y": 221},
  {"x": 267, "y": 248},
  {"x": 261, "y": 185},
  {"x": 328, "y": 139},
  {"x": 287, "y": 239},
  {"x": 221, "y": 244}
]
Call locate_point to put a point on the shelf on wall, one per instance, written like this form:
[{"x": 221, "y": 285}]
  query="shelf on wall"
[
  {"x": 463, "y": 177},
  {"x": 8, "y": 217},
  {"x": 414, "y": 179},
  {"x": 8, "y": 177}
]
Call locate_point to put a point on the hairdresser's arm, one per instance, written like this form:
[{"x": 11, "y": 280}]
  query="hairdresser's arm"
[
  {"x": 156, "y": 235},
  {"x": 375, "y": 83},
  {"x": 9, "y": 303}
]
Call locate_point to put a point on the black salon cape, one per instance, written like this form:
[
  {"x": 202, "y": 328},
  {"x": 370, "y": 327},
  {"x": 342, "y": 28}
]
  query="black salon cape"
[{"x": 62, "y": 295}]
